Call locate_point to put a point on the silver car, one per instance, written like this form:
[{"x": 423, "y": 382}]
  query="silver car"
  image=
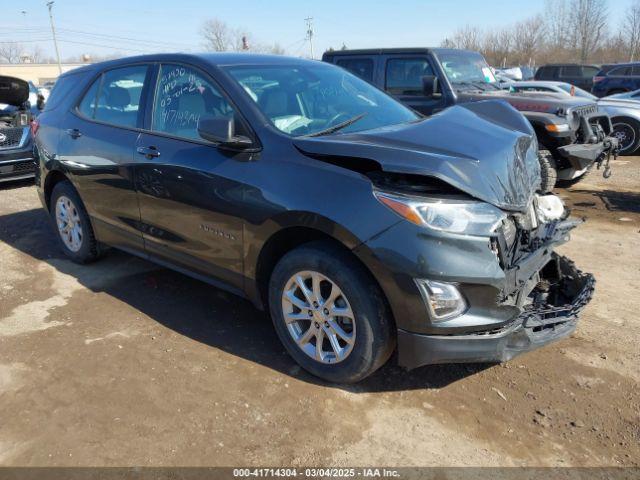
[{"x": 624, "y": 112}]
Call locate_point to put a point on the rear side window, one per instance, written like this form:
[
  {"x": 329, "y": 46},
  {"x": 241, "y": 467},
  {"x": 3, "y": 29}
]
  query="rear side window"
[
  {"x": 636, "y": 71},
  {"x": 183, "y": 96},
  {"x": 88, "y": 104},
  {"x": 115, "y": 96},
  {"x": 361, "y": 67},
  {"x": 589, "y": 72},
  {"x": 61, "y": 90},
  {"x": 620, "y": 72},
  {"x": 404, "y": 75},
  {"x": 545, "y": 73},
  {"x": 572, "y": 71}
]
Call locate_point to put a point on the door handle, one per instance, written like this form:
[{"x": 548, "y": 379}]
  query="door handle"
[
  {"x": 74, "y": 133},
  {"x": 149, "y": 152}
]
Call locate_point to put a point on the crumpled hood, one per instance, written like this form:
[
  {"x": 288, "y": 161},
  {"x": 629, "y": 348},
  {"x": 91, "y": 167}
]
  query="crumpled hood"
[
  {"x": 486, "y": 149},
  {"x": 13, "y": 91}
]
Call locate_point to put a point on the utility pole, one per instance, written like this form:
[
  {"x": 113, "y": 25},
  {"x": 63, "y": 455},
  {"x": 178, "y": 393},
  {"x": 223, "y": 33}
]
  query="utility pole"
[
  {"x": 309, "y": 21},
  {"x": 53, "y": 31}
]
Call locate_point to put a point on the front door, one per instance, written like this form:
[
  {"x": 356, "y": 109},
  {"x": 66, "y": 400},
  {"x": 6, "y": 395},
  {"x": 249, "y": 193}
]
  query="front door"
[{"x": 188, "y": 202}]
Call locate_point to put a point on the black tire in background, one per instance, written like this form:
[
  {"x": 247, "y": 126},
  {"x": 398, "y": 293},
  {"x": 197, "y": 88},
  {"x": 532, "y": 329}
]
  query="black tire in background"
[
  {"x": 375, "y": 336},
  {"x": 89, "y": 250},
  {"x": 548, "y": 171},
  {"x": 628, "y": 131}
]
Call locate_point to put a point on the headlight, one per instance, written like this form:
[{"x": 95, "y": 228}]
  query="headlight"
[
  {"x": 549, "y": 208},
  {"x": 558, "y": 128},
  {"x": 453, "y": 216}
]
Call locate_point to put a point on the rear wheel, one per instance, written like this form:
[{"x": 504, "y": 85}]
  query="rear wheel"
[
  {"x": 330, "y": 314},
  {"x": 71, "y": 222},
  {"x": 627, "y": 131}
]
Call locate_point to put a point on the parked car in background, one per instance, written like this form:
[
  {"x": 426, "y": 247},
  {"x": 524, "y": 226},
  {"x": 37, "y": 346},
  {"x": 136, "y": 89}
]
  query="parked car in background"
[
  {"x": 572, "y": 135},
  {"x": 625, "y": 114},
  {"x": 619, "y": 78},
  {"x": 358, "y": 223},
  {"x": 575, "y": 74},
  {"x": 633, "y": 96},
  {"x": 16, "y": 147}
]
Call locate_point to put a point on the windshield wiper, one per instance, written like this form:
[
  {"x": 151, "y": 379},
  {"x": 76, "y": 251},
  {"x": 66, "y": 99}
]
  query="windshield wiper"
[{"x": 336, "y": 127}]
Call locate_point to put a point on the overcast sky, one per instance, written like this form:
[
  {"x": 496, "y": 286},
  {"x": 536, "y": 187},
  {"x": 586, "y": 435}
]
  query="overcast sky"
[{"x": 131, "y": 27}]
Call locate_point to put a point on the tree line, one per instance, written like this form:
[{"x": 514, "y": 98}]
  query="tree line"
[{"x": 577, "y": 31}]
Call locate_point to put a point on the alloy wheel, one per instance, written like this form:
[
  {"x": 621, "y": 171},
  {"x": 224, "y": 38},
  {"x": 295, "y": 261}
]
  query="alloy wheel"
[
  {"x": 318, "y": 317},
  {"x": 625, "y": 134},
  {"x": 69, "y": 223}
]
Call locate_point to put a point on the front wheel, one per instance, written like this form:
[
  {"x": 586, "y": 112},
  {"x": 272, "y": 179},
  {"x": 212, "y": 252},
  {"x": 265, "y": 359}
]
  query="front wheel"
[
  {"x": 548, "y": 171},
  {"x": 330, "y": 314},
  {"x": 627, "y": 131}
]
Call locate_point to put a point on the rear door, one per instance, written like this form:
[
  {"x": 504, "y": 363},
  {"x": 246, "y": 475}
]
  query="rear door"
[
  {"x": 403, "y": 79},
  {"x": 189, "y": 202},
  {"x": 97, "y": 146}
]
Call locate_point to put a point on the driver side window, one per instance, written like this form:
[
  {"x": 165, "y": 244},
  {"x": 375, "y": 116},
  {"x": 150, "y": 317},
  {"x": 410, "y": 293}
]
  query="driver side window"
[
  {"x": 404, "y": 75},
  {"x": 183, "y": 95}
]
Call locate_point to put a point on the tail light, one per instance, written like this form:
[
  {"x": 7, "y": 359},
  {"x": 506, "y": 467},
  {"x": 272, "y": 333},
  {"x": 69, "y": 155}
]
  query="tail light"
[
  {"x": 597, "y": 79},
  {"x": 35, "y": 125}
]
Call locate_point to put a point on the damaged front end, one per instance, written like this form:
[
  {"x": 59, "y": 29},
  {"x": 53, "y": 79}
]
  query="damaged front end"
[{"x": 545, "y": 291}]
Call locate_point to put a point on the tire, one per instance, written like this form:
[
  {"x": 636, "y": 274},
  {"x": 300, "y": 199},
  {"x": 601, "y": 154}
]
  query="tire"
[
  {"x": 370, "y": 326},
  {"x": 79, "y": 245},
  {"x": 548, "y": 171},
  {"x": 627, "y": 130}
]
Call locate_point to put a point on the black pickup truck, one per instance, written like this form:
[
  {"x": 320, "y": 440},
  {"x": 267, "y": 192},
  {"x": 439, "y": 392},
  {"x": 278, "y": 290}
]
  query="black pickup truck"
[{"x": 573, "y": 135}]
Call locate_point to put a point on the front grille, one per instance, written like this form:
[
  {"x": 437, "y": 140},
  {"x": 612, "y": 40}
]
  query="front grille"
[
  {"x": 11, "y": 137},
  {"x": 24, "y": 167},
  {"x": 586, "y": 111}
]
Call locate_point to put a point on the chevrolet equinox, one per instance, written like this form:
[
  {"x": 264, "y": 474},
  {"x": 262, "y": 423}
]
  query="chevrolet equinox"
[{"x": 363, "y": 227}]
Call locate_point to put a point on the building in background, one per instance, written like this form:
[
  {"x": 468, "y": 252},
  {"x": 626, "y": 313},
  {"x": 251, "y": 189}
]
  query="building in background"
[{"x": 38, "y": 73}]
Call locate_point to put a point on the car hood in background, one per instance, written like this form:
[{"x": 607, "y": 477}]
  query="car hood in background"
[
  {"x": 541, "y": 102},
  {"x": 13, "y": 91},
  {"x": 485, "y": 149},
  {"x": 619, "y": 102}
]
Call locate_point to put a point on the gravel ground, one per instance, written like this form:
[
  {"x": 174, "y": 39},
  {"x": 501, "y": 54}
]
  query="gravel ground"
[{"x": 126, "y": 363}]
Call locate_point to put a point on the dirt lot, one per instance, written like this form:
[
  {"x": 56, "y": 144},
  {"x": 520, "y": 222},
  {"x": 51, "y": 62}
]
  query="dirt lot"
[{"x": 125, "y": 363}]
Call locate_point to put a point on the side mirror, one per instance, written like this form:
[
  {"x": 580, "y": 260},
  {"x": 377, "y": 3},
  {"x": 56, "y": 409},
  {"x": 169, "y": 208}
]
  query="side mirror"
[
  {"x": 431, "y": 86},
  {"x": 221, "y": 130}
]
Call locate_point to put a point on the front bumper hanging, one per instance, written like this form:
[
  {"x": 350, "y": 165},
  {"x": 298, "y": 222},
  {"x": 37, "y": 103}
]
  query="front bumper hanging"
[{"x": 552, "y": 314}]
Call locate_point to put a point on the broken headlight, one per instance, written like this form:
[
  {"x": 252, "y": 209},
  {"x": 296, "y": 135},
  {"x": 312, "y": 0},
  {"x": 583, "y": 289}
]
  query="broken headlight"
[
  {"x": 453, "y": 216},
  {"x": 548, "y": 208}
]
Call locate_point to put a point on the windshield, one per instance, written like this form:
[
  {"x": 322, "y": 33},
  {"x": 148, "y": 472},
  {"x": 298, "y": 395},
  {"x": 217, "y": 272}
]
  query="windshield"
[
  {"x": 318, "y": 99},
  {"x": 466, "y": 67},
  {"x": 577, "y": 92}
]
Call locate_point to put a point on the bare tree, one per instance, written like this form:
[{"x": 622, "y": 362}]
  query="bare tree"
[
  {"x": 528, "y": 38},
  {"x": 558, "y": 23},
  {"x": 589, "y": 22},
  {"x": 10, "y": 52},
  {"x": 218, "y": 36},
  {"x": 469, "y": 38},
  {"x": 631, "y": 29}
]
